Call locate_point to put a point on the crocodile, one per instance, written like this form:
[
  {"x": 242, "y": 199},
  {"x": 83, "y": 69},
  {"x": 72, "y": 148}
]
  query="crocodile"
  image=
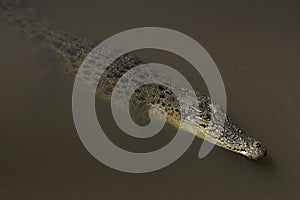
[{"x": 71, "y": 51}]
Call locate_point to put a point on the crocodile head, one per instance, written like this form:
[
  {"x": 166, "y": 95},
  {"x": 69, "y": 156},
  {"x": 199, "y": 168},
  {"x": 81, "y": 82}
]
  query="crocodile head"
[
  {"x": 210, "y": 118},
  {"x": 254, "y": 149},
  {"x": 236, "y": 140}
]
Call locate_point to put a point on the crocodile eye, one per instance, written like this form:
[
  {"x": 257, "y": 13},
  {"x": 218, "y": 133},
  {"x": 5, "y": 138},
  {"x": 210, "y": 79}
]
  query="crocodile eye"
[{"x": 204, "y": 116}]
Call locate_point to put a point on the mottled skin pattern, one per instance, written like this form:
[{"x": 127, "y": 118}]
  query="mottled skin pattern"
[{"x": 71, "y": 50}]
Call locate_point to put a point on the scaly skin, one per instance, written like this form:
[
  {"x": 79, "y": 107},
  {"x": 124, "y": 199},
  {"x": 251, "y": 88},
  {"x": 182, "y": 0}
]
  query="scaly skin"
[{"x": 203, "y": 121}]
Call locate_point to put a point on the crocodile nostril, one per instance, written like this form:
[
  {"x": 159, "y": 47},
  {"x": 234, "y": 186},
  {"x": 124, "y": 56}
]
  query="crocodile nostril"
[{"x": 258, "y": 145}]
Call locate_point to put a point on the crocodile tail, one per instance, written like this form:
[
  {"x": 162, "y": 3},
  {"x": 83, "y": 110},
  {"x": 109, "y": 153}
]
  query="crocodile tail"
[
  {"x": 17, "y": 15},
  {"x": 16, "y": 12},
  {"x": 9, "y": 6},
  {"x": 70, "y": 48}
]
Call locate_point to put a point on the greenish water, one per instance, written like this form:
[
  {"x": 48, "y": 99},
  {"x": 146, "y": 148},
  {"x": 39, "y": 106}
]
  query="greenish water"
[{"x": 255, "y": 46}]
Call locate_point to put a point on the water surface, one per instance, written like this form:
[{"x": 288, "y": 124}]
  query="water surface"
[{"x": 254, "y": 44}]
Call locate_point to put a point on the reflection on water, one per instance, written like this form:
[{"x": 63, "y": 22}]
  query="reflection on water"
[{"x": 255, "y": 48}]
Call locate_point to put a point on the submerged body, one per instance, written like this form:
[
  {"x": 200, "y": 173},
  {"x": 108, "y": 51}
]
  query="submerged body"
[{"x": 71, "y": 51}]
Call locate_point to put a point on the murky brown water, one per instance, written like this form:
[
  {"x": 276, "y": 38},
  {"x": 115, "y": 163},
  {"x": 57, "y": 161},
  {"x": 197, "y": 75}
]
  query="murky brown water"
[{"x": 255, "y": 46}]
